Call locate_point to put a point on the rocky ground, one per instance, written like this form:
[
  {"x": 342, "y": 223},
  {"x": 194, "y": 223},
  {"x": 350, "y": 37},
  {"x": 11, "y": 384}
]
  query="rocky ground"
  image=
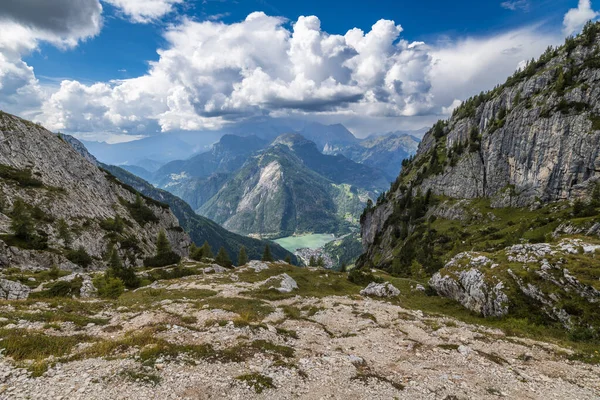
[{"x": 269, "y": 331}]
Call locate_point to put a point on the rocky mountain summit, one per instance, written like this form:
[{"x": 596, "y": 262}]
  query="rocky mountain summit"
[
  {"x": 59, "y": 208},
  {"x": 271, "y": 330},
  {"x": 500, "y": 208}
]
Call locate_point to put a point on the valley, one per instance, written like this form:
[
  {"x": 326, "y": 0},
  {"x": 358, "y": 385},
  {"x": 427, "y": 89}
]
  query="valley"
[{"x": 233, "y": 239}]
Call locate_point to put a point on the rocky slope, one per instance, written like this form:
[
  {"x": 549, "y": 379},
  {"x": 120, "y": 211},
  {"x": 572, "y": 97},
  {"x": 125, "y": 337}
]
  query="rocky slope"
[
  {"x": 292, "y": 188},
  {"x": 515, "y": 165},
  {"x": 310, "y": 336},
  {"x": 200, "y": 228},
  {"x": 60, "y": 201}
]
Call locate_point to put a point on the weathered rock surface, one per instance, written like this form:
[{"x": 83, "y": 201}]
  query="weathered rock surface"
[
  {"x": 287, "y": 284},
  {"x": 380, "y": 290},
  {"x": 11, "y": 290},
  {"x": 470, "y": 286},
  {"x": 68, "y": 186},
  {"x": 350, "y": 348}
]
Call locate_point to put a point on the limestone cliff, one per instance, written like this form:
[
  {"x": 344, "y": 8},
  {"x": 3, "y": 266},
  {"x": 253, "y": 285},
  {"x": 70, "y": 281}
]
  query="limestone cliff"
[{"x": 70, "y": 204}]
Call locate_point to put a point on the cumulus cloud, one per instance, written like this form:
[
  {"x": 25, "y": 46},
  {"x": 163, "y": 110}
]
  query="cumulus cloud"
[
  {"x": 266, "y": 68},
  {"x": 144, "y": 11},
  {"x": 24, "y": 24},
  {"x": 577, "y": 17}
]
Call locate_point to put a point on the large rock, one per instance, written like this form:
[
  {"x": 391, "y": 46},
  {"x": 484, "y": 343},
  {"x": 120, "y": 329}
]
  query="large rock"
[
  {"x": 11, "y": 290},
  {"x": 463, "y": 281},
  {"x": 380, "y": 290},
  {"x": 287, "y": 284}
]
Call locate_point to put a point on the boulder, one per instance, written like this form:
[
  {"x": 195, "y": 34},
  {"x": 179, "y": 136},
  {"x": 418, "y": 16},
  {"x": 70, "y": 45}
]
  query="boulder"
[
  {"x": 256, "y": 265},
  {"x": 380, "y": 290},
  {"x": 287, "y": 284},
  {"x": 11, "y": 290},
  {"x": 87, "y": 287}
]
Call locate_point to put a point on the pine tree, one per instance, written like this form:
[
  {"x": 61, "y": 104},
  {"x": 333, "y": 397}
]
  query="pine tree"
[
  {"x": 118, "y": 270},
  {"x": 195, "y": 252},
  {"x": 207, "y": 251},
  {"x": 162, "y": 244},
  {"x": 223, "y": 258},
  {"x": 242, "y": 257},
  {"x": 312, "y": 262},
  {"x": 138, "y": 201},
  {"x": 21, "y": 223},
  {"x": 321, "y": 262},
  {"x": 288, "y": 259},
  {"x": 267, "y": 254},
  {"x": 64, "y": 233}
]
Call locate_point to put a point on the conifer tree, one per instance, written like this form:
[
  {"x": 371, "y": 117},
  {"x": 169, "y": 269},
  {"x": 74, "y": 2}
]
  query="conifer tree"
[
  {"x": 267, "y": 254},
  {"x": 207, "y": 251},
  {"x": 223, "y": 258},
  {"x": 242, "y": 257},
  {"x": 288, "y": 259},
  {"x": 21, "y": 223},
  {"x": 162, "y": 244}
]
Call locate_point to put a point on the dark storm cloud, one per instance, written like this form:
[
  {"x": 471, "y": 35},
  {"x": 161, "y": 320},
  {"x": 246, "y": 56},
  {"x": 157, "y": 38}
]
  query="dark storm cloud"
[{"x": 59, "y": 17}]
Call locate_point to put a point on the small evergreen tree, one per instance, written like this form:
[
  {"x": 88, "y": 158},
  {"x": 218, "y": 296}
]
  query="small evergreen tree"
[
  {"x": 195, "y": 252},
  {"x": 164, "y": 255},
  {"x": 288, "y": 259},
  {"x": 321, "y": 262},
  {"x": 242, "y": 257},
  {"x": 118, "y": 270},
  {"x": 223, "y": 258},
  {"x": 64, "y": 232},
  {"x": 312, "y": 262},
  {"x": 267, "y": 256},
  {"x": 162, "y": 244},
  {"x": 207, "y": 251},
  {"x": 21, "y": 223}
]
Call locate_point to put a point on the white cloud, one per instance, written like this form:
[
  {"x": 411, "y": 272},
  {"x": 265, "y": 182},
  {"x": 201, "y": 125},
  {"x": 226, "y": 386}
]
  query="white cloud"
[
  {"x": 577, "y": 17},
  {"x": 211, "y": 73},
  {"x": 515, "y": 5},
  {"x": 144, "y": 11},
  {"x": 26, "y": 23},
  {"x": 266, "y": 68}
]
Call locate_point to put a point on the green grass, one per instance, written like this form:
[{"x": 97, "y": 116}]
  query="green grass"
[
  {"x": 250, "y": 310},
  {"x": 135, "y": 375},
  {"x": 318, "y": 283},
  {"x": 23, "y": 344},
  {"x": 144, "y": 297},
  {"x": 257, "y": 382}
]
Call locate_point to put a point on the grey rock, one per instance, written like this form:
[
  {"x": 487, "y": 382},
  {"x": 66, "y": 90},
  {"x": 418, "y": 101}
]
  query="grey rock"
[
  {"x": 87, "y": 288},
  {"x": 256, "y": 265},
  {"x": 11, "y": 290},
  {"x": 287, "y": 284},
  {"x": 465, "y": 283},
  {"x": 380, "y": 290}
]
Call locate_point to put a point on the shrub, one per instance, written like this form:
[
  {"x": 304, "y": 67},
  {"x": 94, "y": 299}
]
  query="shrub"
[
  {"x": 79, "y": 257},
  {"x": 108, "y": 287},
  {"x": 64, "y": 288},
  {"x": 21, "y": 176},
  {"x": 362, "y": 277},
  {"x": 139, "y": 211},
  {"x": 164, "y": 255}
]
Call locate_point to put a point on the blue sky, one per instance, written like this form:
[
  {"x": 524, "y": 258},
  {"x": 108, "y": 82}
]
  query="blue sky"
[
  {"x": 122, "y": 69},
  {"x": 122, "y": 49}
]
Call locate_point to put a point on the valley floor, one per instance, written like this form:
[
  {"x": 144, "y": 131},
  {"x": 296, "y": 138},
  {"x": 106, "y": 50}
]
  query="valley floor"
[{"x": 228, "y": 335}]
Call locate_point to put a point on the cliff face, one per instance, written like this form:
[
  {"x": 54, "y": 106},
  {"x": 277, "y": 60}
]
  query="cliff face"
[
  {"x": 71, "y": 203},
  {"x": 494, "y": 208},
  {"x": 535, "y": 139}
]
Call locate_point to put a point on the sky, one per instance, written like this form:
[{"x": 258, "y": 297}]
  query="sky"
[{"x": 117, "y": 70}]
